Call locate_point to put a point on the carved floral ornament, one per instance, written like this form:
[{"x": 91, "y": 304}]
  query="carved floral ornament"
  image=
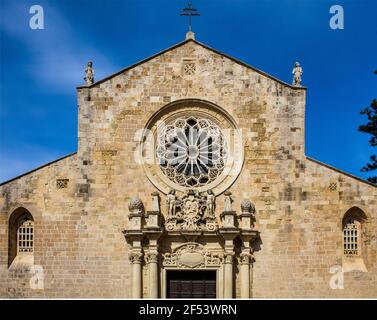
[{"x": 191, "y": 255}]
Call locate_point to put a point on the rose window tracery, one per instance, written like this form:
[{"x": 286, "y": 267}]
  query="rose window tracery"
[{"x": 191, "y": 151}]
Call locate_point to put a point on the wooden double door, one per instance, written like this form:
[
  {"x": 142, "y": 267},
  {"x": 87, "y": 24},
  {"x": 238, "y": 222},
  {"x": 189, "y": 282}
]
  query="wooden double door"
[{"x": 191, "y": 284}]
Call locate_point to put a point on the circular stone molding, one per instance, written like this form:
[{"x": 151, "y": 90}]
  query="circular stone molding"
[{"x": 192, "y": 144}]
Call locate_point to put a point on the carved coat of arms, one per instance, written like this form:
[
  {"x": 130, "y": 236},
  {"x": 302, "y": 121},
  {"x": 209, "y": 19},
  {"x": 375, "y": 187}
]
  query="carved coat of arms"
[{"x": 191, "y": 212}]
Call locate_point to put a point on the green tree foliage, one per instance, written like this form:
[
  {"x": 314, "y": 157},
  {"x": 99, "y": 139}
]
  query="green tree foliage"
[{"x": 371, "y": 128}]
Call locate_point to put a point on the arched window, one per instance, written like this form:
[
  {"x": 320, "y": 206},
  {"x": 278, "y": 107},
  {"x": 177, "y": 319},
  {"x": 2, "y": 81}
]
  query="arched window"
[
  {"x": 352, "y": 231},
  {"x": 351, "y": 237},
  {"x": 21, "y": 236},
  {"x": 25, "y": 236}
]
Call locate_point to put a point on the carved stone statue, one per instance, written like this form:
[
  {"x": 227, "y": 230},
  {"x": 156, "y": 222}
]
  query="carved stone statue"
[
  {"x": 89, "y": 74},
  {"x": 171, "y": 201},
  {"x": 297, "y": 73},
  {"x": 210, "y": 202},
  {"x": 228, "y": 201}
]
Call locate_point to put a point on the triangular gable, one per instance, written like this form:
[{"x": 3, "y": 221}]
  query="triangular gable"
[{"x": 202, "y": 45}]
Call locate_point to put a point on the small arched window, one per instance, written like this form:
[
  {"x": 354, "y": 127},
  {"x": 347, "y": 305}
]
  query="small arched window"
[
  {"x": 352, "y": 231},
  {"x": 351, "y": 237},
  {"x": 25, "y": 236},
  {"x": 21, "y": 237}
]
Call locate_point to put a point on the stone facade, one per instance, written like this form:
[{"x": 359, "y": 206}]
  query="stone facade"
[{"x": 92, "y": 238}]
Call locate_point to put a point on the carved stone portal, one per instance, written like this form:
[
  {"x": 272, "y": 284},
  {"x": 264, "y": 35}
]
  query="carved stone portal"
[
  {"x": 190, "y": 216},
  {"x": 191, "y": 255},
  {"x": 191, "y": 212}
]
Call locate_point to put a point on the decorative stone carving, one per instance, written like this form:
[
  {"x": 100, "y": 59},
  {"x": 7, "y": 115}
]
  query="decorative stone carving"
[
  {"x": 62, "y": 183},
  {"x": 247, "y": 216},
  {"x": 153, "y": 219},
  {"x": 164, "y": 157},
  {"x": 228, "y": 201},
  {"x": 245, "y": 258},
  {"x": 191, "y": 212},
  {"x": 135, "y": 257},
  {"x": 228, "y": 219},
  {"x": 210, "y": 201},
  {"x": 192, "y": 151},
  {"x": 211, "y": 224},
  {"x": 170, "y": 259},
  {"x": 191, "y": 259},
  {"x": 155, "y": 201},
  {"x": 228, "y": 258},
  {"x": 135, "y": 205},
  {"x": 247, "y": 206},
  {"x": 153, "y": 216},
  {"x": 297, "y": 73},
  {"x": 171, "y": 224},
  {"x": 333, "y": 186},
  {"x": 191, "y": 255},
  {"x": 89, "y": 74},
  {"x": 171, "y": 201},
  {"x": 151, "y": 258},
  {"x": 189, "y": 67},
  {"x": 136, "y": 208}
]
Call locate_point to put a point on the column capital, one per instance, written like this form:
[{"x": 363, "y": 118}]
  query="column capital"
[
  {"x": 228, "y": 257},
  {"x": 245, "y": 258},
  {"x": 135, "y": 257},
  {"x": 152, "y": 257}
]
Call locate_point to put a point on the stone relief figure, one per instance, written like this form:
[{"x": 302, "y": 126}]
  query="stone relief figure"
[
  {"x": 89, "y": 73},
  {"x": 171, "y": 201},
  {"x": 191, "y": 212},
  {"x": 297, "y": 73},
  {"x": 210, "y": 202}
]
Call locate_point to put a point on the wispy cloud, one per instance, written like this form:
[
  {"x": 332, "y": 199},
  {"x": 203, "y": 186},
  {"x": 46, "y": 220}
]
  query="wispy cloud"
[{"x": 57, "y": 54}]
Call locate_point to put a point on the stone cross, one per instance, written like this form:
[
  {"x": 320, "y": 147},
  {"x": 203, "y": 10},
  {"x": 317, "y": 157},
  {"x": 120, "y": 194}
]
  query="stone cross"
[{"x": 190, "y": 11}]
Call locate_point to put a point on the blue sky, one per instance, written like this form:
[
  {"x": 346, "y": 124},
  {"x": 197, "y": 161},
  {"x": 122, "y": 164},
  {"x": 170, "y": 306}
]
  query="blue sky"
[{"x": 40, "y": 69}]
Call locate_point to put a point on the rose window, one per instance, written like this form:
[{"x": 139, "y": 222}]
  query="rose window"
[{"x": 191, "y": 151}]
